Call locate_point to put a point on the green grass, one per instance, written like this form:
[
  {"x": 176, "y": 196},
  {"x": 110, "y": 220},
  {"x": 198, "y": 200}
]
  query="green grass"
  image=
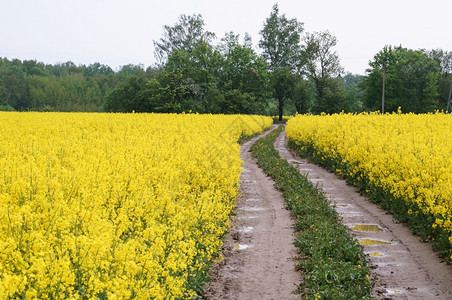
[{"x": 332, "y": 262}]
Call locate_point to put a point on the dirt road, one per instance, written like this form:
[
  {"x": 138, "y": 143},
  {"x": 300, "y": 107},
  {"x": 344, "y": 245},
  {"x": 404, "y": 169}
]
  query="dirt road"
[
  {"x": 258, "y": 250},
  {"x": 404, "y": 267}
]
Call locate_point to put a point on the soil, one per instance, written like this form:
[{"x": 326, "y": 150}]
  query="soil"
[{"x": 259, "y": 256}]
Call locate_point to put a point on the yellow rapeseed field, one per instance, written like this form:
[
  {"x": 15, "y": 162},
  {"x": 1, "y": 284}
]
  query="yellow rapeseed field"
[
  {"x": 115, "y": 205},
  {"x": 396, "y": 158}
]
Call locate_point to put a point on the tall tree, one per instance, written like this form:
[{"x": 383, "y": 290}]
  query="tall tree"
[
  {"x": 281, "y": 48},
  {"x": 322, "y": 66},
  {"x": 283, "y": 82},
  {"x": 383, "y": 69},
  {"x": 184, "y": 35},
  {"x": 444, "y": 60},
  {"x": 199, "y": 69},
  {"x": 355, "y": 94},
  {"x": 303, "y": 95},
  {"x": 129, "y": 96},
  {"x": 243, "y": 78},
  {"x": 280, "y": 41},
  {"x": 169, "y": 93},
  {"x": 411, "y": 80},
  {"x": 97, "y": 69}
]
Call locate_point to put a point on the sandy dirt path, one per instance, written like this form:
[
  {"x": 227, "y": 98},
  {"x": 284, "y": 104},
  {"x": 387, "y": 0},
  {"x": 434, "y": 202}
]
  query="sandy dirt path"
[
  {"x": 404, "y": 267},
  {"x": 258, "y": 249}
]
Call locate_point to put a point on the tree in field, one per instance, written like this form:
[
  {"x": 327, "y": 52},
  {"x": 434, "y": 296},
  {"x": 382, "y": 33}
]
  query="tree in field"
[
  {"x": 444, "y": 60},
  {"x": 411, "y": 81},
  {"x": 281, "y": 48},
  {"x": 169, "y": 93},
  {"x": 199, "y": 69},
  {"x": 129, "y": 96},
  {"x": 243, "y": 78},
  {"x": 184, "y": 35},
  {"x": 303, "y": 95},
  {"x": 228, "y": 78},
  {"x": 280, "y": 41},
  {"x": 188, "y": 59},
  {"x": 283, "y": 83},
  {"x": 355, "y": 95},
  {"x": 97, "y": 69},
  {"x": 322, "y": 66}
]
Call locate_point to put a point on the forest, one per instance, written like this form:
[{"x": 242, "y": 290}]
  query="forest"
[{"x": 289, "y": 70}]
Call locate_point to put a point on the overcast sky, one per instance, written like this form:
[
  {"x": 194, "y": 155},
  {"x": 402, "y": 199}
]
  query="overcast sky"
[{"x": 116, "y": 33}]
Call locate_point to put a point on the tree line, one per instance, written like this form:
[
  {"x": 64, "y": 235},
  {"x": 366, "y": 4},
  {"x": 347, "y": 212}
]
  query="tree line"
[
  {"x": 291, "y": 71},
  {"x": 418, "y": 81},
  {"x": 34, "y": 86}
]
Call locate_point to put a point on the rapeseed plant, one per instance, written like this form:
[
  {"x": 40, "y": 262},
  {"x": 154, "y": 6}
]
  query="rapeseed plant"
[
  {"x": 403, "y": 161},
  {"x": 115, "y": 205}
]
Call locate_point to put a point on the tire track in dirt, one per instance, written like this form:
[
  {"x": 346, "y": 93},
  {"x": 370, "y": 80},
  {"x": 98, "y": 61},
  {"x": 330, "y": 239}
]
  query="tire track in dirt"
[
  {"x": 258, "y": 249},
  {"x": 404, "y": 267}
]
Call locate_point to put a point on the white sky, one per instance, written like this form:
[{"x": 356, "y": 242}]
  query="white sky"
[{"x": 116, "y": 33}]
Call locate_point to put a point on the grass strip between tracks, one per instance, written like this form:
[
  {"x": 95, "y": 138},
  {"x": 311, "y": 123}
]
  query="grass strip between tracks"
[{"x": 332, "y": 262}]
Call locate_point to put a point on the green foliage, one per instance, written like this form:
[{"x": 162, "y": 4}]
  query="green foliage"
[
  {"x": 429, "y": 102},
  {"x": 303, "y": 95},
  {"x": 320, "y": 59},
  {"x": 444, "y": 61},
  {"x": 97, "y": 69},
  {"x": 280, "y": 41},
  {"x": 184, "y": 35},
  {"x": 198, "y": 72},
  {"x": 412, "y": 79},
  {"x": 127, "y": 97},
  {"x": 332, "y": 262},
  {"x": 32, "y": 85},
  {"x": 168, "y": 93},
  {"x": 294, "y": 72},
  {"x": 281, "y": 48},
  {"x": 229, "y": 78},
  {"x": 243, "y": 79},
  {"x": 6, "y": 107},
  {"x": 283, "y": 83},
  {"x": 331, "y": 96},
  {"x": 354, "y": 93},
  {"x": 322, "y": 67}
]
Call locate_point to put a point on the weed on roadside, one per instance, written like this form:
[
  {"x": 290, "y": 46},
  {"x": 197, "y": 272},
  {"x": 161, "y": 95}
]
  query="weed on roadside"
[{"x": 332, "y": 262}]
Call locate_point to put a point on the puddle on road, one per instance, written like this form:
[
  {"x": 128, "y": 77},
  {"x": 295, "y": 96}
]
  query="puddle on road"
[
  {"x": 345, "y": 205},
  {"x": 393, "y": 291},
  {"x": 338, "y": 199},
  {"x": 350, "y": 213},
  {"x": 241, "y": 247},
  {"x": 248, "y": 181},
  {"x": 252, "y": 199},
  {"x": 370, "y": 242},
  {"x": 366, "y": 227},
  {"x": 249, "y": 208},
  {"x": 315, "y": 180},
  {"x": 246, "y": 229}
]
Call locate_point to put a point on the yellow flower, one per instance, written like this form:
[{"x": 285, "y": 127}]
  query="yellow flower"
[
  {"x": 405, "y": 155},
  {"x": 115, "y": 204}
]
